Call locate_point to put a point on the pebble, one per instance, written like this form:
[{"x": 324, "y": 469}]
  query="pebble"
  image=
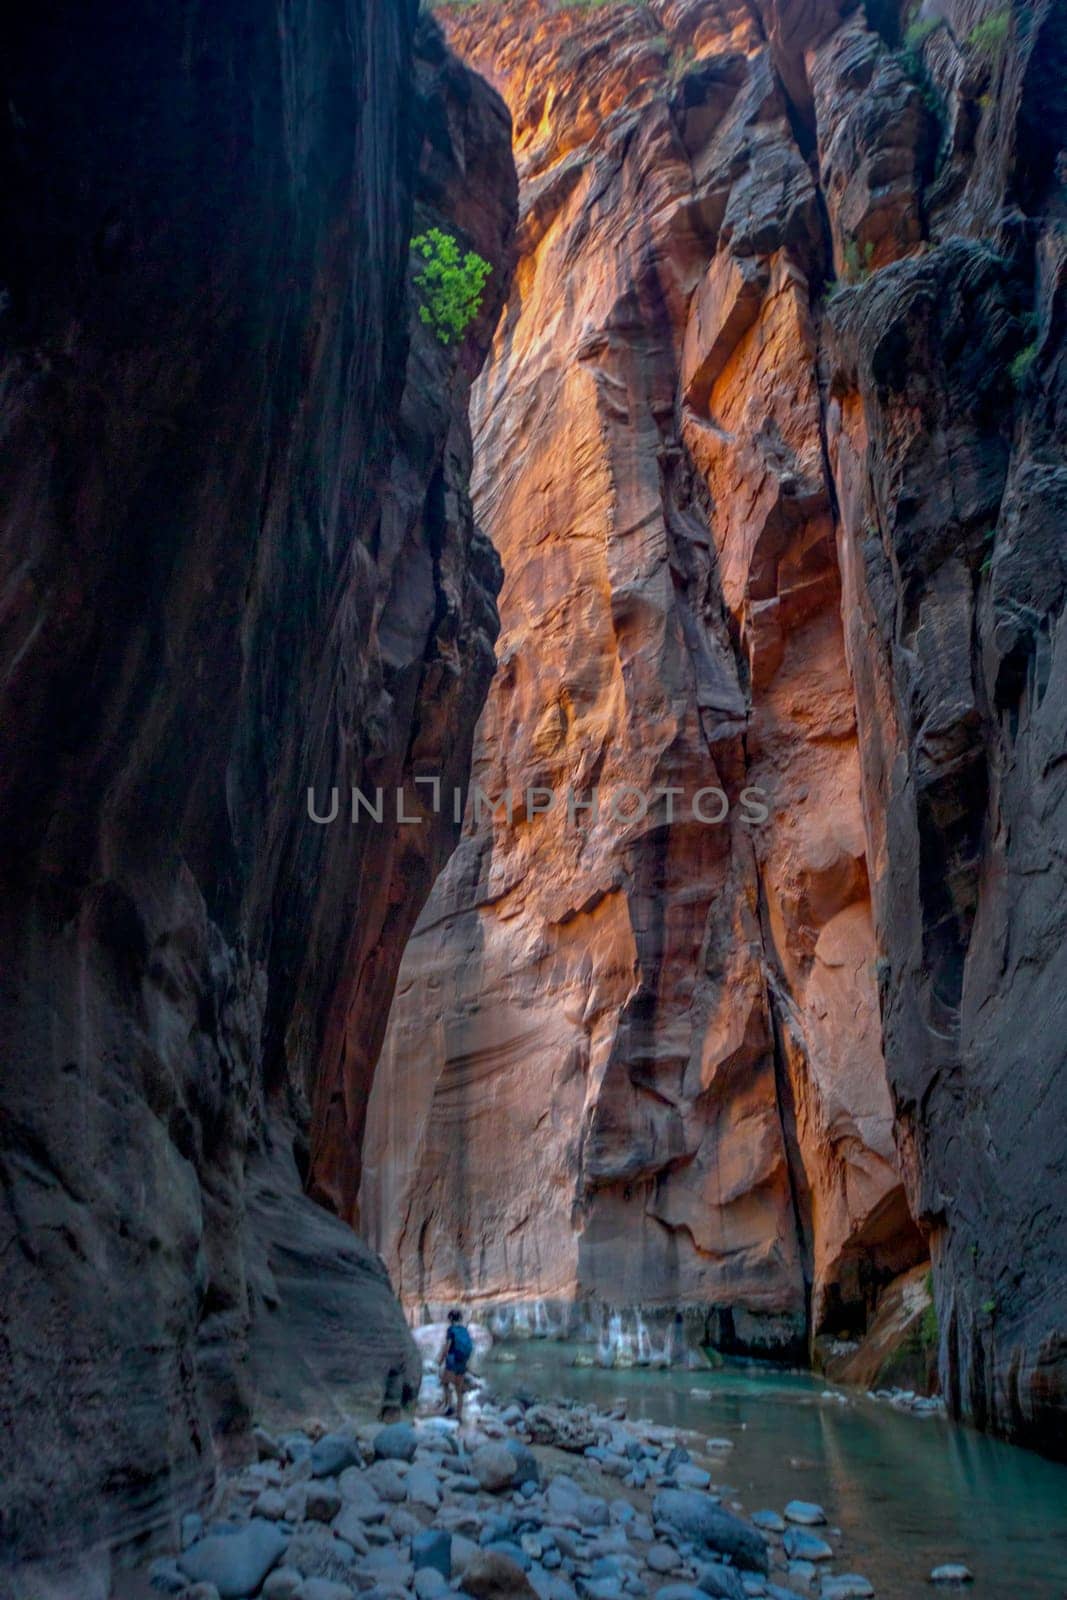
[
  {"x": 803, "y": 1572},
  {"x": 423, "y": 1488},
  {"x": 318, "y": 1553},
  {"x": 769, "y": 1521},
  {"x": 722, "y": 1582},
  {"x": 361, "y": 1496},
  {"x": 494, "y": 1467},
  {"x": 952, "y": 1572},
  {"x": 847, "y": 1586},
  {"x": 270, "y": 1504},
  {"x": 429, "y": 1584},
  {"x": 333, "y": 1453},
  {"x": 322, "y": 1502},
  {"x": 348, "y": 1525},
  {"x": 387, "y": 1481},
  {"x": 491, "y": 1575},
  {"x": 689, "y": 1477},
  {"x": 323, "y": 1589},
  {"x": 282, "y": 1584},
  {"x": 663, "y": 1558},
  {"x": 800, "y": 1545},
  {"x": 806, "y": 1512}
]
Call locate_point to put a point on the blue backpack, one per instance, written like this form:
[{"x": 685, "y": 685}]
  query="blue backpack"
[{"x": 462, "y": 1343}]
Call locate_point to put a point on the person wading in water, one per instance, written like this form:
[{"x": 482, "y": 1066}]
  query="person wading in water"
[{"x": 455, "y": 1354}]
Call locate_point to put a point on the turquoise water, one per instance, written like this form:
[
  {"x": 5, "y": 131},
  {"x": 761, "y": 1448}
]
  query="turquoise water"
[{"x": 907, "y": 1493}]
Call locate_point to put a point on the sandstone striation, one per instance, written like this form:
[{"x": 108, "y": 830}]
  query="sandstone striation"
[
  {"x": 638, "y": 1063},
  {"x": 945, "y": 430},
  {"x": 771, "y": 445},
  {"x": 238, "y": 560}
]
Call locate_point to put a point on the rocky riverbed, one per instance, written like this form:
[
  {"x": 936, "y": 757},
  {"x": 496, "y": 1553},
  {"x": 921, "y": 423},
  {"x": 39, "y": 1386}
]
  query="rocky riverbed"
[{"x": 553, "y": 1501}]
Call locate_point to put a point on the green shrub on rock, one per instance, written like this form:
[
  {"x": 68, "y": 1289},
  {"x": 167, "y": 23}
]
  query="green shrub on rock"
[{"x": 451, "y": 284}]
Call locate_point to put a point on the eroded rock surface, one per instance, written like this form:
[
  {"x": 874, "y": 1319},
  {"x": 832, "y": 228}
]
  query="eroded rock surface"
[
  {"x": 771, "y": 443},
  {"x": 659, "y": 1038},
  {"x": 238, "y": 560}
]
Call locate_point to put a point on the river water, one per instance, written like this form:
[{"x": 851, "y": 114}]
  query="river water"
[{"x": 907, "y": 1493}]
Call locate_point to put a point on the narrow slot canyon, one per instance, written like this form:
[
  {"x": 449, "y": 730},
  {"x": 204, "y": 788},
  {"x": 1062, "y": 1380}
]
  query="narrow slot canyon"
[
  {"x": 533, "y": 800},
  {"x": 637, "y": 1066}
]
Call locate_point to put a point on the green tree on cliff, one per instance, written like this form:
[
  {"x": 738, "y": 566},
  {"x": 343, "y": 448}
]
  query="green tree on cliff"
[{"x": 451, "y": 284}]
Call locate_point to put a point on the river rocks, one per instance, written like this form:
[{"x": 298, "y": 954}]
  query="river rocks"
[
  {"x": 805, "y": 1513},
  {"x": 768, "y": 1521},
  {"x": 695, "y": 1516},
  {"x": 663, "y": 1558},
  {"x": 318, "y": 1553},
  {"x": 387, "y": 1481},
  {"x": 284, "y": 1583},
  {"x": 846, "y": 1586},
  {"x": 494, "y": 1466},
  {"x": 566, "y": 1430},
  {"x": 360, "y": 1495},
  {"x": 432, "y": 1548},
  {"x": 549, "y": 1534},
  {"x": 322, "y": 1502},
  {"x": 236, "y": 1561},
  {"x": 800, "y": 1545},
  {"x": 690, "y": 1477},
  {"x": 386, "y": 1568},
  {"x": 270, "y": 1504},
  {"x": 429, "y": 1584},
  {"x": 423, "y": 1488},
  {"x": 350, "y": 1527},
  {"x": 398, "y": 1442},
  {"x": 492, "y": 1576},
  {"x": 952, "y": 1573},
  {"x": 722, "y": 1582},
  {"x": 323, "y": 1589},
  {"x": 333, "y": 1453},
  {"x": 527, "y": 1469}
]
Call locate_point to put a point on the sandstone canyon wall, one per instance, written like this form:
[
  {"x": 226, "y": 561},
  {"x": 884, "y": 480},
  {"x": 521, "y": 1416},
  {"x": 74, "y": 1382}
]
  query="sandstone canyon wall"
[
  {"x": 771, "y": 445},
  {"x": 238, "y": 560}
]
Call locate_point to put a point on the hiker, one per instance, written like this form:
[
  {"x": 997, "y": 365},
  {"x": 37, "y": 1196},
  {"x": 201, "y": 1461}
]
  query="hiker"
[{"x": 455, "y": 1354}]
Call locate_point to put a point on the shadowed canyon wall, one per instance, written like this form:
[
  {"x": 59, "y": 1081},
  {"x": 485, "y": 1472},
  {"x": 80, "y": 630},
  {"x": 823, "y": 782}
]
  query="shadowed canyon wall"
[
  {"x": 238, "y": 560},
  {"x": 770, "y": 443}
]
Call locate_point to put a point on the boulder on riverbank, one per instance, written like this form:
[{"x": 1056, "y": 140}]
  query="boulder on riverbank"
[{"x": 697, "y": 1517}]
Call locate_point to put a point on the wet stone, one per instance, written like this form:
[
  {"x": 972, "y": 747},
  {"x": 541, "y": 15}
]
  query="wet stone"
[
  {"x": 805, "y": 1512},
  {"x": 800, "y": 1545}
]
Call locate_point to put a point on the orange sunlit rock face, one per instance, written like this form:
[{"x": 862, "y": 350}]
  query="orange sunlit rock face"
[{"x": 639, "y": 1063}]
